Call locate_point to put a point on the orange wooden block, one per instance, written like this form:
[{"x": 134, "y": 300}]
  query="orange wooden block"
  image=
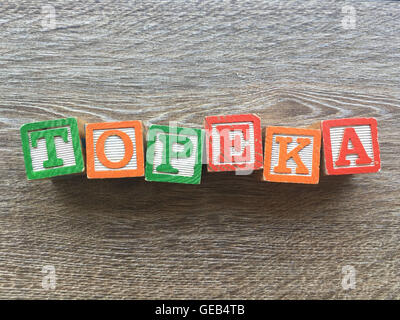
[
  {"x": 292, "y": 155},
  {"x": 115, "y": 150}
]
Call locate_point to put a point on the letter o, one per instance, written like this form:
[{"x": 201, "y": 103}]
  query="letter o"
[{"x": 100, "y": 146}]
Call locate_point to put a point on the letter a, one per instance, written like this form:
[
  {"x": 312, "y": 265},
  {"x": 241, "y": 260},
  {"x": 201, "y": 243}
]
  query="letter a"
[{"x": 351, "y": 135}]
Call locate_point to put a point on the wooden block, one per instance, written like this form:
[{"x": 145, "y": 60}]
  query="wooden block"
[
  {"x": 234, "y": 142},
  {"x": 174, "y": 154},
  {"x": 350, "y": 146},
  {"x": 52, "y": 148},
  {"x": 114, "y": 150},
  {"x": 292, "y": 155}
]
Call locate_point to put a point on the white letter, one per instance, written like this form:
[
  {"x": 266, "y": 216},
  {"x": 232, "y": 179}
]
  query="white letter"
[
  {"x": 349, "y": 21},
  {"x": 49, "y": 280},
  {"x": 349, "y": 279},
  {"x": 49, "y": 17}
]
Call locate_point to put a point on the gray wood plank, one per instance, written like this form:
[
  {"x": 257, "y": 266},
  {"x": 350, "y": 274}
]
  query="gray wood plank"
[{"x": 231, "y": 237}]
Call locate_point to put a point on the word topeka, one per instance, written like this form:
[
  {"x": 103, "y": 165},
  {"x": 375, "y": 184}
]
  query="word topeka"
[{"x": 174, "y": 154}]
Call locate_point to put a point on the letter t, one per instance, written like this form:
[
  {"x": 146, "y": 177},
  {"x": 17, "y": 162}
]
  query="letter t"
[{"x": 49, "y": 135}]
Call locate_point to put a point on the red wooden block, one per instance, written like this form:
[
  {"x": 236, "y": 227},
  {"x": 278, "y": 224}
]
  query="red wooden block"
[
  {"x": 234, "y": 142},
  {"x": 350, "y": 146}
]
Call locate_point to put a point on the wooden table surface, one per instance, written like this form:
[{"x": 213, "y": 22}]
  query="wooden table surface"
[{"x": 232, "y": 236}]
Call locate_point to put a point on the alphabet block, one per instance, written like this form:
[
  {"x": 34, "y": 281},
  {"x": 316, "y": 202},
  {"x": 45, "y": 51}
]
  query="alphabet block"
[
  {"x": 52, "y": 148},
  {"x": 174, "y": 154},
  {"x": 114, "y": 150},
  {"x": 350, "y": 146},
  {"x": 234, "y": 142},
  {"x": 292, "y": 155}
]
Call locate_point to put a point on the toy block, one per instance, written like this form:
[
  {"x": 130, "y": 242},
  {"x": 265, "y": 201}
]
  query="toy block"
[
  {"x": 350, "y": 146},
  {"x": 233, "y": 142},
  {"x": 114, "y": 150},
  {"x": 52, "y": 148},
  {"x": 174, "y": 154},
  {"x": 292, "y": 155}
]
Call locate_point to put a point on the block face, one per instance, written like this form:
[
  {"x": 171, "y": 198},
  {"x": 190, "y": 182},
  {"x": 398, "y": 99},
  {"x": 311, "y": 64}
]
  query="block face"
[
  {"x": 351, "y": 146},
  {"x": 292, "y": 155},
  {"x": 174, "y": 154},
  {"x": 234, "y": 142},
  {"x": 52, "y": 148},
  {"x": 115, "y": 150}
]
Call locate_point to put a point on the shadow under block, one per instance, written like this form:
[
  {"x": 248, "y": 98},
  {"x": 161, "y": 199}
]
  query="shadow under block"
[
  {"x": 292, "y": 155},
  {"x": 233, "y": 142},
  {"x": 52, "y": 148},
  {"x": 350, "y": 146},
  {"x": 114, "y": 150},
  {"x": 174, "y": 154}
]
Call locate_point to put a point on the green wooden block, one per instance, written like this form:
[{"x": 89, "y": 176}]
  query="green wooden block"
[
  {"x": 174, "y": 154},
  {"x": 52, "y": 148}
]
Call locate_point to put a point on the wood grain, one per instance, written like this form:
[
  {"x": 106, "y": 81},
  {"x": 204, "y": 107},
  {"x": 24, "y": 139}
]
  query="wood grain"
[{"x": 232, "y": 236}]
